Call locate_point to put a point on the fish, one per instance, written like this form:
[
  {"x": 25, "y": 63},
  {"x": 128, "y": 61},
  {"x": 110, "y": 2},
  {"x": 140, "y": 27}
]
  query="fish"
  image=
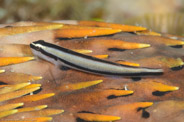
[{"x": 61, "y": 56}]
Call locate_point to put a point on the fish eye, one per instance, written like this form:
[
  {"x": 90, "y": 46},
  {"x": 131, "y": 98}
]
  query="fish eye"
[{"x": 37, "y": 48}]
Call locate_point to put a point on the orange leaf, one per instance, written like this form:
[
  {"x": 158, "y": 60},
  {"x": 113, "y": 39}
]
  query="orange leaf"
[
  {"x": 32, "y": 98},
  {"x": 132, "y": 107},
  {"x": 171, "y": 62},
  {"x": 35, "y": 108},
  {"x": 76, "y": 86},
  {"x": 11, "y": 88},
  {"x": 163, "y": 88},
  {"x": 125, "y": 28},
  {"x": 120, "y": 44},
  {"x": 7, "y": 113},
  {"x": 128, "y": 63},
  {"x": 147, "y": 32},
  {"x": 101, "y": 56},
  {"x": 46, "y": 112},
  {"x": 14, "y": 78},
  {"x": 12, "y": 95},
  {"x": 27, "y": 29},
  {"x": 84, "y": 32},
  {"x": 6, "y": 107},
  {"x": 82, "y": 51},
  {"x": 13, "y": 60},
  {"x": 32, "y": 86},
  {"x": 96, "y": 117},
  {"x": 38, "y": 119}
]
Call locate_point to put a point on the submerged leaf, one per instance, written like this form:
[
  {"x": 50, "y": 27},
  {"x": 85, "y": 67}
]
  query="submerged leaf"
[
  {"x": 13, "y": 60},
  {"x": 12, "y": 95},
  {"x": 35, "y": 108},
  {"x": 84, "y": 32},
  {"x": 10, "y": 106},
  {"x": 120, "y": 44},
  {"x": 7, "y": 113},
  {"x": 171, "y": 62},
  {"x": 76, "y": 86},
  {"x": 32, "y": 86},
  {"x": 11, "y": 88},
  {"x": 27, "y": 29},
  {"x": 125, "y": 28},
  {"x": 96, "y": 117},
  {"x": 14, "y": 78},
  {"x": 128, "y": 63},
  {"x": 101, "y": 56},
  {"x": 46, "y": 112},
  {"x": 32, "y": 98},
  {"x": 82, "y": 51}
]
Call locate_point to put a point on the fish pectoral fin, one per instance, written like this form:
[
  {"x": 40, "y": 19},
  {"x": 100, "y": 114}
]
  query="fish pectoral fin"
[{"x": 64, "y": 68}]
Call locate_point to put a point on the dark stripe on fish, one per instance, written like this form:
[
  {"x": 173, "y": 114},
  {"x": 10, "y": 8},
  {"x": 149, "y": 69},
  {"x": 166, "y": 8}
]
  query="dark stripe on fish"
[{"x": 119, "y": 70}]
